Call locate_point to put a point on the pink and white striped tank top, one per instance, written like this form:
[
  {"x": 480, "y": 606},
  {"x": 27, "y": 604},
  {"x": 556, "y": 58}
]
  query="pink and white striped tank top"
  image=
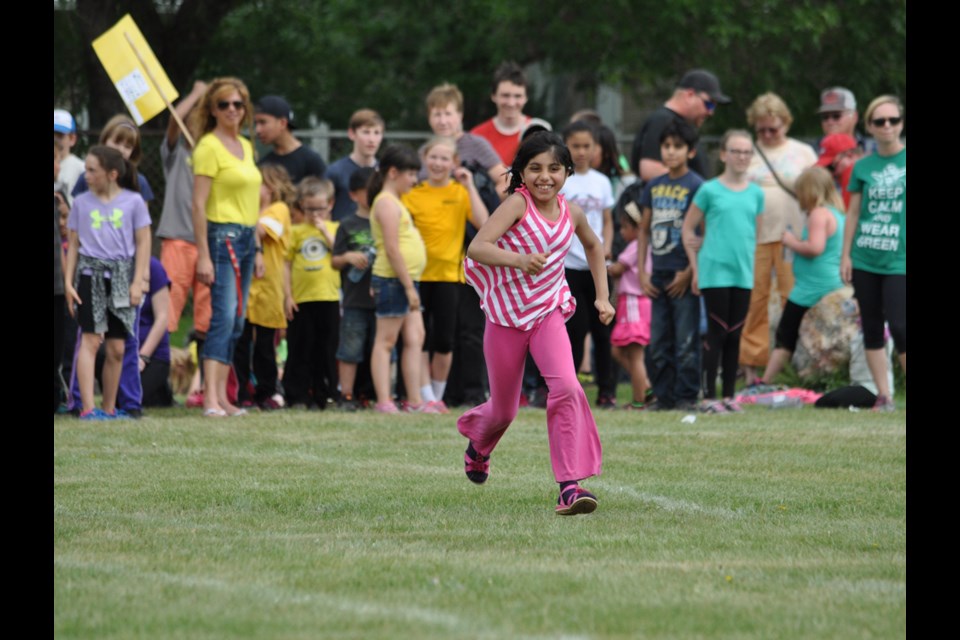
[{"x": 511, "y": 298}]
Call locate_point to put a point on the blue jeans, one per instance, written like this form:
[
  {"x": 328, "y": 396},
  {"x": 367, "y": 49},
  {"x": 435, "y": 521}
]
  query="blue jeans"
[
  {"x": 674, "y": 349},
  {"x": 228, "y": 304}
]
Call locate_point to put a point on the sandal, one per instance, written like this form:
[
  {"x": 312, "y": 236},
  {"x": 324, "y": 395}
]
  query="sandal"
[
  {"x": 214, "y": 413},
  {"x": 574, "y": 500}
]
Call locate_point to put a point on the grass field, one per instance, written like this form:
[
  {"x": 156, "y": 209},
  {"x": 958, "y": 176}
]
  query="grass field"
[{"x": 772, "y": 524}]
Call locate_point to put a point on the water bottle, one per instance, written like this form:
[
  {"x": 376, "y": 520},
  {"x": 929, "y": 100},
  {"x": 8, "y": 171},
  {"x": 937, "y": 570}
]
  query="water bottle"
[
  {"x": 787, "y": 253},
  {"x": 356, "y": 275}
]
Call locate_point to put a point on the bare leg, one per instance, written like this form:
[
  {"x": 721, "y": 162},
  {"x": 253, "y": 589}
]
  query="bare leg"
[
  {"x": 112, "y": 366},
  {"x": 778, "y": 359},
  {"x": 89, "y": 343},
  {"x": 387, "y": 331},
  {"x": 440, "y": 367},
  {"x": 348, "y": 375},
  {"x": 210, "y": 398},
  {"x": 903, "y": 363},
  {"x": 223, "y": 373},
  {"x": 877, "y": 361},
  {"x": 410, "y": 361}
]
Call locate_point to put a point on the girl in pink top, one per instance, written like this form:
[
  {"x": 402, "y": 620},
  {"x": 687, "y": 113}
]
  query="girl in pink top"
[
  {"x": 516, "y": 265},
  {"x": 631, "y": 333}
]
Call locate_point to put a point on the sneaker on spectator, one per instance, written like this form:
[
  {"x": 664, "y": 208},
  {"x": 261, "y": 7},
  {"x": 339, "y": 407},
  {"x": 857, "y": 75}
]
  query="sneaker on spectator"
[
  {"x": 386, "y": 408},
  {"x": 686, "y": 405},
  {"x": 423, "y": 407},
  {"x": 606, "y": 402},
  {"x": 195, "y": 400},
  {"x": 96, "y": 414},
  {"x": 884, "y": 404},
  {"x": 713, "y": 406},
  {"x": 347, "y": 403},
  {"x": 732, "y": 406},
  {"x": 575, "y": 500},
  {"x": 270, "y": 404}
]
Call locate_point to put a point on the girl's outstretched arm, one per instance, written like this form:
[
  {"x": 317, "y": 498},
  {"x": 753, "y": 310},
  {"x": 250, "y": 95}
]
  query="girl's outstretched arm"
[
  {"x": 484, "y": 250},
  {"x": 597, "y": 261}
]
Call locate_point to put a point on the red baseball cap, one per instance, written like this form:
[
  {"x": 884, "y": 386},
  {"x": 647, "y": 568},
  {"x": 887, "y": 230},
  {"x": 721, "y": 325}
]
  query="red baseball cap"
[{"x": 833, "y": 145}]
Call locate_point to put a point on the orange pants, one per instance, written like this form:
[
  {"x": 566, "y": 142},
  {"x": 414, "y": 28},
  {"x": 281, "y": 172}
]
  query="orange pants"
[
  {"x": 755, "y": 340},
  {"x": 179, "y": 259}
]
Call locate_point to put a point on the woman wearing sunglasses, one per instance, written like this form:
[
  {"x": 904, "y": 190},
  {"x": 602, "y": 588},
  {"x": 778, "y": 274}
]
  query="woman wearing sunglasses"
[
  {"x": 875, "y": 241},
  {"x": 775, "y": 166},
  {"x": 226, "y": 199}
]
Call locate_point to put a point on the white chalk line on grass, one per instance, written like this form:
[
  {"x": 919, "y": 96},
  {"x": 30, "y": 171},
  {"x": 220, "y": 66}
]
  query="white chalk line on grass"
[
  {"x": 278, "y": 595},
  {"x": 666, "y": 503}
]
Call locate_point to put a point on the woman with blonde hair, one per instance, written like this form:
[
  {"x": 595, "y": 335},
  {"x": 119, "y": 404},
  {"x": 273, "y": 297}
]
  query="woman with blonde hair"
[
  {"x": 226, "y": 204},
  {"x": 775, "y": 166},
  {"x": 875, "y": 241}
]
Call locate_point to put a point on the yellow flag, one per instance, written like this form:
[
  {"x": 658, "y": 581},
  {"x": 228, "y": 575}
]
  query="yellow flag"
[{"x": 134, "y": 70}]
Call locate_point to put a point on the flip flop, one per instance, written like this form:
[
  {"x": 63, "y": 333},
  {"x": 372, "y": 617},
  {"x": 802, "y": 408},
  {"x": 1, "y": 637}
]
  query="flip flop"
[
  {"x": 237, "y": 413},
  {"x": 214, "y": 413}
]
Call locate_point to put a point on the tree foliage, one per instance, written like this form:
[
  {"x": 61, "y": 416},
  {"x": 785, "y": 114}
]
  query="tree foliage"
[{"x": 329, "y": 58}]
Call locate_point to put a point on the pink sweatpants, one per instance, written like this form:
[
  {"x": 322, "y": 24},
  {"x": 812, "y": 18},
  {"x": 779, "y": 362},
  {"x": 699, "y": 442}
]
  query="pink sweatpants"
[{"x": 571, "y": 430}]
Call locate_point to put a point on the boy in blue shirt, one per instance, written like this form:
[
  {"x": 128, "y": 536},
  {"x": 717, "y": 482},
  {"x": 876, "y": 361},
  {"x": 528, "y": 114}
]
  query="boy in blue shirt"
[{"x": 674, "y": 350}]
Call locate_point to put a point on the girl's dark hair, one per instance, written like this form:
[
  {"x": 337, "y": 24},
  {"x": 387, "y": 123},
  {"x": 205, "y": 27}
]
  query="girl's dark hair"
[
  {"x": 112, "y": 160},
  {"x": 609, "y": 152},
  {"x": 626, "y": 218},
  {"x": 580, "y": 125},
  {"x": 397, "y": 156},
  {"x": 533, "y": 146}
]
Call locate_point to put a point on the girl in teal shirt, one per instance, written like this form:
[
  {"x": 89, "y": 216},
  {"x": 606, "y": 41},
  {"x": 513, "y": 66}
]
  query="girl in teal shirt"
[{"x": 722, "y": 262}]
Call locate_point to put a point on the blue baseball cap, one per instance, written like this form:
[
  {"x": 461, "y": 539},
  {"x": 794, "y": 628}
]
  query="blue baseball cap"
[{"x": 63, "y": 122}]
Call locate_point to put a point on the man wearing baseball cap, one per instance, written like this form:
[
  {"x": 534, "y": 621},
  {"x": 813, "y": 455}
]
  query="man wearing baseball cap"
[
  {"x": 71, "y": 167},
  {"x": 838, "y": 114},
  {"x": 273, "y": 122},
  {"x": 696, "y": 96}
]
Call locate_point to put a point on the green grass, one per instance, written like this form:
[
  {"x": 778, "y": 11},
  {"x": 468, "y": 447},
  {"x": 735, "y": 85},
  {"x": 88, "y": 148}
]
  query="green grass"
[{"x": 773, "y": 524}]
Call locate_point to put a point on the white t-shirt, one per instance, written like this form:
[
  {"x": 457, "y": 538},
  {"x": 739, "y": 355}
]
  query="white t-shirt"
[
  {"x": 594, "y": 193},
  {"x": 71, "y": 168}
]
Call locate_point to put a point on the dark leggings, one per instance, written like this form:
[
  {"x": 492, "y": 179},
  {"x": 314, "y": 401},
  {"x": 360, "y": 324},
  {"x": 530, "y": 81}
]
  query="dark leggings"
[
  {"x": 789, "y": 328},
  {"x": 882, "y": 298},
  {"x": 726, "y": 312}
]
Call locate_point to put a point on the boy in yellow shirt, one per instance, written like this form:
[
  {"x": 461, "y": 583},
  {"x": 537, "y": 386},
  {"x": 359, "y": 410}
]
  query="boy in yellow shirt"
[{"x": 312, "y": 300}]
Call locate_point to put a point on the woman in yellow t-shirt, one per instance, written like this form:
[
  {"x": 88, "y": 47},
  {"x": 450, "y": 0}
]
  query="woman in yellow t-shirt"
[{"x": 226, "y": 203}]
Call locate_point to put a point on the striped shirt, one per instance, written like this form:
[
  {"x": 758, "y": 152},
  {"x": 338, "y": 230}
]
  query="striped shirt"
[{"x": 508, "y": 296}]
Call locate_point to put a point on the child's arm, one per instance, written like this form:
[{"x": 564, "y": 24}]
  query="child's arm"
[
  {"x": 691, "y": 243},
  {"x": 289, "y": 306},
  {"x": 483, "y": 247},
  {"x": 183, "y": 109},
  {"x": 160, "y": 301},
  {"x": 816, "y": 240},
  {"x": 141, "y": 275},
  {"x": 597, "y": 261},
  {"x": 478, "y": 210},
  {"x": 607, "y": 233},
  {"x": 387, "y": 212},
  {"x": 69, "y": 268},
  {"x": 643, "y": 245}
]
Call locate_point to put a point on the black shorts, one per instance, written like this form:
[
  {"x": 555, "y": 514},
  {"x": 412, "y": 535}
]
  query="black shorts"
[{"x": 115, "y": 328}]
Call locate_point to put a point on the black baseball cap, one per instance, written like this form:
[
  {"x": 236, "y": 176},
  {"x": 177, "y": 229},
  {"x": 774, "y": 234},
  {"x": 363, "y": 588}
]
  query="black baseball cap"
[
  {"x": 703, "y": 80},
  {"x": 277, "y": 107}
]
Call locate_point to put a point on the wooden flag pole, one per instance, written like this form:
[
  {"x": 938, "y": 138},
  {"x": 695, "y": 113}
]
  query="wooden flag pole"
[{"x": 173, "y": 112}]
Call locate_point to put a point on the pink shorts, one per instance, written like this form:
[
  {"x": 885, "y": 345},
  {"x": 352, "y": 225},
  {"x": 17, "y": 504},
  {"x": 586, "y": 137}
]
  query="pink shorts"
[{"x": 632, "y": 324}]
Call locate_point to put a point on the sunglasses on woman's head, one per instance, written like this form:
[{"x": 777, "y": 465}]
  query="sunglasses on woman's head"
[
  {"x": 224, "y": 104},
  {"x": 879, "y": 122}
]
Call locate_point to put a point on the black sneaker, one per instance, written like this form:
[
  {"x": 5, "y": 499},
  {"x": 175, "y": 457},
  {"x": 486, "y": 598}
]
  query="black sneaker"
[
  {"x": 347, "y": 403},
  {"x": 606, "y": 402},
  {"x": 687, "y": 405},
  {"x": 656, "y": 405}
]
